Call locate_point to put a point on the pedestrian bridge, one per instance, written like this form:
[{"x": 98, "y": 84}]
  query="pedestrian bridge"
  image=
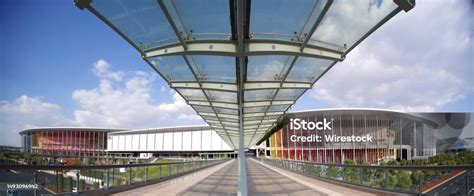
[{"x": 262, "y": 178}]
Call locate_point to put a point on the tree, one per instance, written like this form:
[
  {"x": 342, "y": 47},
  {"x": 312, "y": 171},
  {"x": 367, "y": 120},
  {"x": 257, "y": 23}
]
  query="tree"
[
  {"x": 417, "y": 177},
  {"x": 404, "y": 180},
  {"x": 349, "y": 173},
  {"x": 367, "y": 173},
  {"x": 333, "y": 172},
  {"x": 391, "y": 181}
]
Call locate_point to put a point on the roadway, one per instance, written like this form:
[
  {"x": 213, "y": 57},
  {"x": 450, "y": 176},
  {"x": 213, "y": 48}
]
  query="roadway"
[
  {"x": 263, "y": 179},
  {"x": 42, "y": 179},
  {"x": 456, "y": 186}
]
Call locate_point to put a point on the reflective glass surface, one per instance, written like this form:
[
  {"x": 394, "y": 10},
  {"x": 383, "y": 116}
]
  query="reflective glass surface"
[
  {"x": 203, "y": 108},
  {"x": 192, "y": 94},
  {"x": 353, "y": 18},
  {"x": 142, "y": 21},
  {"x": 204, "y": 19},
  {"x": 173, "y": 68},
  {"x": 278, "y": 108},
  {"x": 256, "y": 109},
  {"x": 283, "y": 19},
  {"x": 147, "y": 24},
  {"x": 258, "y": 95},
  {"x": 215, "y": 68},
  {"x": 226, "y": 111},
  {"x": 288, "y": 94},
  {"x": 222, "y": 96},
  {"x": 308, "y": 69},
  {"x": 267, "y": 68}
]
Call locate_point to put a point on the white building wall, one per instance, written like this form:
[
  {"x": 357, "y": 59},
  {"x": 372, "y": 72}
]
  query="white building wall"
[
  {"x": 201, "y": 140},
  {"x": 143, "y": 140},
  {"x": 159, "y": 141},
  {"x": 187, "y": 142},
  {"x": 150, "y": 141},
  {"x": 196, "y": 140}
]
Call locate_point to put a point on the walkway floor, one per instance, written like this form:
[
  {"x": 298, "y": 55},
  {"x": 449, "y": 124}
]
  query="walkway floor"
[
  {"x": 263, "y": 179},
  {"x": 322, "y": 187},
  {"x": 183, "y": 185}
]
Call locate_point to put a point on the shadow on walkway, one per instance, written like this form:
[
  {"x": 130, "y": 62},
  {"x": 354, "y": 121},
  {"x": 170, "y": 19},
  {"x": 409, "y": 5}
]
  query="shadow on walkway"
[
  {"x": 222, "y": 182},
  {"x": 264, "y": 181}
]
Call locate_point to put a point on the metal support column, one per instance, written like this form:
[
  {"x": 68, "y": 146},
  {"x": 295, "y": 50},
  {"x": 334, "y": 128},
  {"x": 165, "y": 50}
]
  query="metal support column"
[{"x": 240, "y": 22}]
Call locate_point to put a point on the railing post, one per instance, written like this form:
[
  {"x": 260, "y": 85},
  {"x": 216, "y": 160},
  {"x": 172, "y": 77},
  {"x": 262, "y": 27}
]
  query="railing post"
[
  {"x": 467, "y": 181},
  {"x": 78, "y": 176},
  {"x": 113, "y": 175},
  {"x": 419, "y": 183},
  {"x": 146, "y": 173},
  {"x": 130, "y": 175},
  {"x": 34, "y": 181},
  {"x": 159, "y": 172},
  {"x": 108, "y": 179}
]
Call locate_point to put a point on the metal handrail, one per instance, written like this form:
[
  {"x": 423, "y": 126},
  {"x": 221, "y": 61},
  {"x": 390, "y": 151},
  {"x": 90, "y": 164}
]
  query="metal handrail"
[
  {"x": 387, "y": 167},
  {"x": 72, "y": 167},
  {"x": 356, "y": 176}
]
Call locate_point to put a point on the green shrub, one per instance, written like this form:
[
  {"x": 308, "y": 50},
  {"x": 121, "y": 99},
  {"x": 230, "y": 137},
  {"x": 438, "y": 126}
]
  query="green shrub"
[
  {"x": 82, "y": 185},
  {"x": 69, "y": 184},
  {"x": 333, "y": 172},
  {"x": 95, "y": 185},
  {"x": 404, "y": 180},
  {"x": 60, "y": 182}
]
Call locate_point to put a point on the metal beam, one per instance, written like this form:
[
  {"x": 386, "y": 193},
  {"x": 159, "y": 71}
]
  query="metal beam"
[
  {"x": 304, "y": 48},
  {"x": 172, "y": 24},
  {"x": 275, "y": 85},
  {"x": 262, "y": 114},
  {"x": 266, "y": 103},
  {"x": 205, "y": 86},
  {"x": 316, "y": 24},
  {"x": 233, "y": 87},
  {"x": 215, "y": 104},
  {"x": 251, "y": 122},
  {"x": 252, "y": 48}
]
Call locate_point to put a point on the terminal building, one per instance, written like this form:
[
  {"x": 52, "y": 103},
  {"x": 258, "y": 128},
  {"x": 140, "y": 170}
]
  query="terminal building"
[
  {"x": 66, "y": 141},
  {"x": 395, "y": 135}
]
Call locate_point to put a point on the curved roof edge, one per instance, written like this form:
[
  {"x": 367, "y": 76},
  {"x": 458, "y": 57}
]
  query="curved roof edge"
[
  {"x": 103, "y": 129},
  {"x": 165, "y": 129}
]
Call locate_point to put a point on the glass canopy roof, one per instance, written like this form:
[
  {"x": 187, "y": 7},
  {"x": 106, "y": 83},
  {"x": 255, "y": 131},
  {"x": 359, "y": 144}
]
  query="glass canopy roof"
[{"x": 243, "y": 60}]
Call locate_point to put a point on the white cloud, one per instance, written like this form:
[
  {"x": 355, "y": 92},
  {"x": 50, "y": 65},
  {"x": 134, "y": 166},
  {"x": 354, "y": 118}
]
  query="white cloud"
[
  {"x": 26, "y": 112},
  {"x": 102, "y": 68},
  {"x": 127, "y": 104},
  {"x": 418, "y": 61},
  {"x": 121, "y": 100}
]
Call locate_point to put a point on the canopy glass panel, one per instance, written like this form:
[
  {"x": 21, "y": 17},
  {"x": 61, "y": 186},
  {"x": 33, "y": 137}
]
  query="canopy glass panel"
[
  {"x": 287, "y": 46},
  {"x": 354, "y": 18},
  {"x": 283, "y": 19},
  {"x": 142, "y": 21},
  {"x": 172, "y": 68}
]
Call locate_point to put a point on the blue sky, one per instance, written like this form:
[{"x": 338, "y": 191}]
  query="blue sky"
[{"x": 60, "y": 66}]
